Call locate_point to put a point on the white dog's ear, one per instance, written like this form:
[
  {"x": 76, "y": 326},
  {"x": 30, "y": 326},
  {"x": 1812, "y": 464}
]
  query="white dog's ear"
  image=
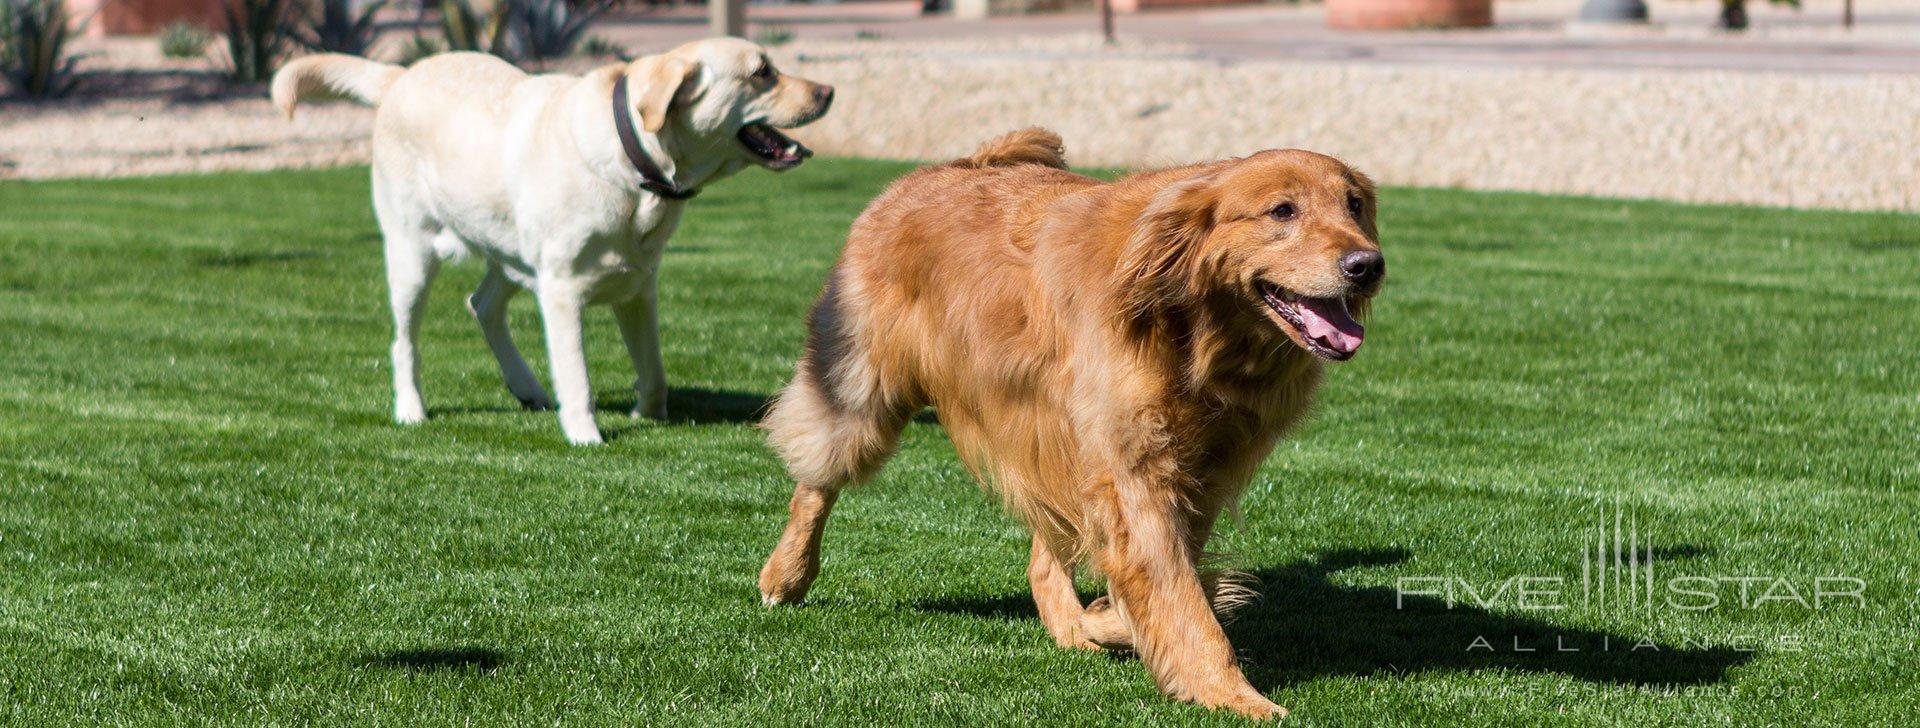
[{"x": 663, "y": 76}]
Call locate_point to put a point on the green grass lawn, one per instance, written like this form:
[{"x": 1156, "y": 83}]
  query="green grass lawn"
[{"x": 206, "y": 515}]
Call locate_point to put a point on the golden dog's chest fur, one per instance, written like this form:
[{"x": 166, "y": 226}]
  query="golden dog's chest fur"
[{"x": 1093, "y": 358}]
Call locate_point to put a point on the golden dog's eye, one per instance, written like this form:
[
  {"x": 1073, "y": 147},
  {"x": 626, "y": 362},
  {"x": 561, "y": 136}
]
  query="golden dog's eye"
[
  {"x": 1355, "y": 206},
  {"x": 765, "y": 73},
  {"x": 1284, "y": 211}
]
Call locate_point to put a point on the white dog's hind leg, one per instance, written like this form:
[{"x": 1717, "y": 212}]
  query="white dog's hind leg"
[
  {"x": 411, "y": 265},
  {"x": 489, "y": 306},
  {"x": 639, "y": 319},
  {"x": 560, "y": 308}
]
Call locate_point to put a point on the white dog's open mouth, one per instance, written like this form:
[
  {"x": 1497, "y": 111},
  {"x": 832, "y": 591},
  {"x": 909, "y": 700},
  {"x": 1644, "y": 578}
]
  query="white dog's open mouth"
[
  {"x": 1324, "y": 325},
  {"x": 775, "y": 150}
]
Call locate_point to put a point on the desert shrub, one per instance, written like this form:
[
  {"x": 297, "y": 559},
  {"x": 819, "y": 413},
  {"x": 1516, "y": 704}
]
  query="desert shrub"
[
  {"x": 599, "y": 47},
  {"x": 774, "y": 35},
  {"x": 181, "y": 39},
  {"x": 33, "y": 42}
]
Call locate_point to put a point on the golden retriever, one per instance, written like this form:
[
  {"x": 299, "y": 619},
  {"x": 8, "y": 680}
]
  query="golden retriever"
[
  {"x": 1114, "y": 358},
  {"x": 568, "y": 186}
]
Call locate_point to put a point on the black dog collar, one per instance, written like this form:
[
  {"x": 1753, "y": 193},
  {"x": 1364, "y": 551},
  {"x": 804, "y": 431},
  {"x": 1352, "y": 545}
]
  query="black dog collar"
[{"x": 651, "y": 178}]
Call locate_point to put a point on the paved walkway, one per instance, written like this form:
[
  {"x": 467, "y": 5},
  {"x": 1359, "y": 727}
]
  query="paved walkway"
[{"x": 1530, "y": 33}]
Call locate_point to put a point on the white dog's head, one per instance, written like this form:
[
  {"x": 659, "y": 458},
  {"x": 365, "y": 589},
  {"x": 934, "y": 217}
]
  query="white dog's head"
[{"x": 727, "y": 90}]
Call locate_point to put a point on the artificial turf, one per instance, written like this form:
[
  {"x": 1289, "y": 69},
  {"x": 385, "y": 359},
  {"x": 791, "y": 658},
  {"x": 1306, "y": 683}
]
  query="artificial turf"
[{"x": 206, "y": 515}]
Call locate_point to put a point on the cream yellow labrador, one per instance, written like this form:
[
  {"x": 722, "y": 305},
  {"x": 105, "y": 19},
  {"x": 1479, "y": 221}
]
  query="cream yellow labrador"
[{"x": 566, "y": 185}]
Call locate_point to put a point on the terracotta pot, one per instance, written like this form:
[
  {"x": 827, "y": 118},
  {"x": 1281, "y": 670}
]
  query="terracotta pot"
[
  {"x": 138, "y": 17},
  {"x": 1404, "y": 14},
  {"x": 1134, "y": 6}
]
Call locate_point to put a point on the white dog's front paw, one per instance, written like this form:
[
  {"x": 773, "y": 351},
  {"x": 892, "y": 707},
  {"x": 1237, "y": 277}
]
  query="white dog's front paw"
[
  {"x": 580, "y": 430},
  {"x": 409, "y": 413}
]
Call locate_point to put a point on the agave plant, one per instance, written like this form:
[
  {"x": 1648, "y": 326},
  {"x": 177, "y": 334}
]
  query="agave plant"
[
  {"x": 419, "y": 49},
  {"x": 545, "y": 29},
  {"x": 467, "y": 29},
  {"x": 338, "y": 30},
  {"x": 1733, "y": 13},
  {"x": 256, "y": 37},
  {"x": 33, "y": 40},
  {"x": 520, "y": 30}
]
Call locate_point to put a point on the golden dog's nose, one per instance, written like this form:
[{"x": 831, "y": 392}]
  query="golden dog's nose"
[
  {"x": 823, "y": 93},
  {"x": 1364, "y": 267}
]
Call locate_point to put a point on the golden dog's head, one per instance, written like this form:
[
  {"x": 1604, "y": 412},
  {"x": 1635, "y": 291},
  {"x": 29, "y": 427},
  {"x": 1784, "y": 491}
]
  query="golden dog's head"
[
  {"x": 727, "y": 91},
  {"x": 1283, "y": 238}
]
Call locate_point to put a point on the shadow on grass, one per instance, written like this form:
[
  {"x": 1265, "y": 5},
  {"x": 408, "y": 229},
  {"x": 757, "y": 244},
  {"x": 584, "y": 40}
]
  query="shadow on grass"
[
  {"x": 1306, "y": 627},
  {"x": 701, "y": 406},
  {"x": 693, "y": 406},
  {"x": 714, "y": 406},
  {"x": 685, "y": 405},
  {"x": 250, "y": 259},
  {"x": 477, "y": 659},
  {"x": 1889, "y": 242},
  {"x": 1674, "y": 553}
]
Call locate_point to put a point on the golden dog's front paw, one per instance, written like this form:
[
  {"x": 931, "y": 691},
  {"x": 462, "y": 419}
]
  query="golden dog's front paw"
[{"x": 1251, "y": 705}]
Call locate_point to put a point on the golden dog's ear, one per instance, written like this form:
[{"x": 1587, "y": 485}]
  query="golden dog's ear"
[
  {"x": 661, "y": 78},
  {"x": 1153, "y": 268},
  {"x": 1369, "y": 204}
]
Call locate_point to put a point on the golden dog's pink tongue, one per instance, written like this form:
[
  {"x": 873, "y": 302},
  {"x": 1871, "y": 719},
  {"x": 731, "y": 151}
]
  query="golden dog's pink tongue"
[{"x": 1329, "y": 323}]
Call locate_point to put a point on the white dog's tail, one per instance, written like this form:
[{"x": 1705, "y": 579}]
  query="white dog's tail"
[{"x": 332, "y": 75}]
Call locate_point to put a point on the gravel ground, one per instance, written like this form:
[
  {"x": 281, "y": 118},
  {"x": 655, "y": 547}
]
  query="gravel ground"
[
  {"x": 1704, "y": 136},
  {"x": 1840, "y": 141}
]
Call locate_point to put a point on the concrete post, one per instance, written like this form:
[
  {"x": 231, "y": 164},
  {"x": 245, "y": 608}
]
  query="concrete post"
[{"x": 727, "y": 17}]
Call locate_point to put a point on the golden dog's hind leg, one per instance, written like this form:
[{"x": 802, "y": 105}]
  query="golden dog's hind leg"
[
  {"x": 794, "y": 563},
  {"x": 1058, "y": 603},
  {"x": 825, "y": 450},
  {"x": 1105, "y": 626},
  {"x": 834, "y": 425}
]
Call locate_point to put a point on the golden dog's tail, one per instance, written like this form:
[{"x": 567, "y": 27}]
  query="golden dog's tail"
[
  {"x": 1032, "y": 145},
  {"x": 332, "y": 75}
]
